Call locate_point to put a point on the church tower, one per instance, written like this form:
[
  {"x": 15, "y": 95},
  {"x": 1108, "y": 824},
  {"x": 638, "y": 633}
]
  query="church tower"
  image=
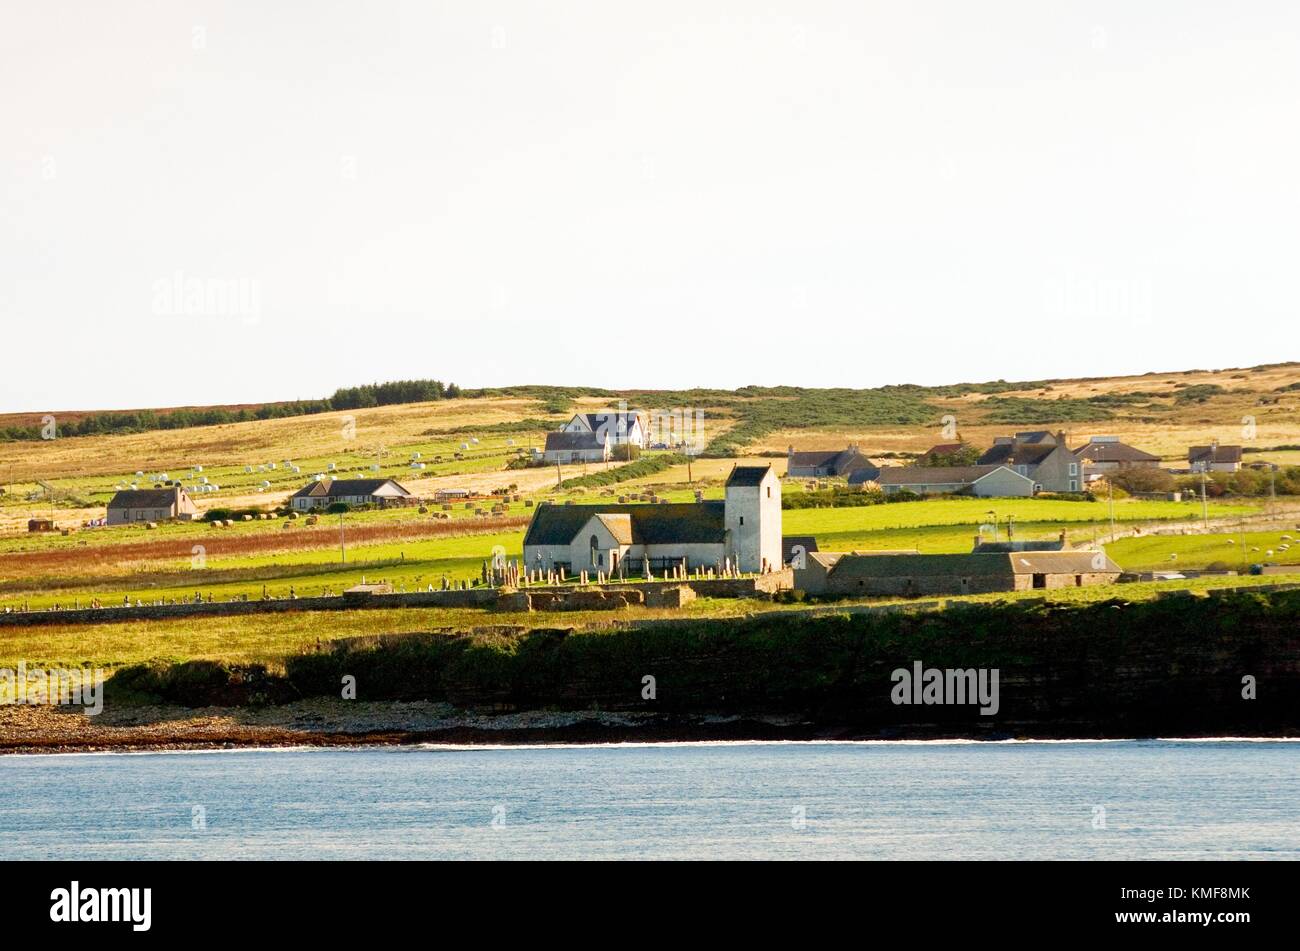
[{"x": 753, "y": 518}]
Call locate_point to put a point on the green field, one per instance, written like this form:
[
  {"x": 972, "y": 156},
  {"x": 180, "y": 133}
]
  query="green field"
[{"x": 933, "y": 526}]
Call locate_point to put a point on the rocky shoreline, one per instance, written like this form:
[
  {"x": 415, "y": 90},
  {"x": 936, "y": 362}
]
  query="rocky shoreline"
[
  {"x": 317, "y": 723},
  {"x": 43, "y": 729}
]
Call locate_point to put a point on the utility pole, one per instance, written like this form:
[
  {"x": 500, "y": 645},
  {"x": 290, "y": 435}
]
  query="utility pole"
[
  {"x": 1010, "y": 530},
  {"x": 559, "y": 476},
  {"x": 1205, "y": 506},
  {"x": 1110, "y": 496}
]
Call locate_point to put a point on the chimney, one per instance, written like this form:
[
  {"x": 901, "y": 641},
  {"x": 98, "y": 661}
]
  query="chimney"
[{"x": 790, "y": 451}]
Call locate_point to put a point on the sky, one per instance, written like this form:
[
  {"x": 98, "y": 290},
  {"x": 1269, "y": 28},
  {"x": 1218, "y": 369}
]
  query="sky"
[{"x": 242, "y": 201}]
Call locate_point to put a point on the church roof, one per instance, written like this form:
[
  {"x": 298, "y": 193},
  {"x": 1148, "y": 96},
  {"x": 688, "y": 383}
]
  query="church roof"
[{"x": 667, "y": 524}]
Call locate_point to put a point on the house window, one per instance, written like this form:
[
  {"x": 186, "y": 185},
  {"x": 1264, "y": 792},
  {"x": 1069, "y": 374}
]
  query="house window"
[
  {"x": 769, "y": 491},
  {"x": 1074, "y": 468},
  {"x": 1074, "y": 485},
  {"x": 742, "y": 520}
]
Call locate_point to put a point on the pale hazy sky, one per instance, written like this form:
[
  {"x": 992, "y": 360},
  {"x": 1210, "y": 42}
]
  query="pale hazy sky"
[{"x": 662, "y": 194}]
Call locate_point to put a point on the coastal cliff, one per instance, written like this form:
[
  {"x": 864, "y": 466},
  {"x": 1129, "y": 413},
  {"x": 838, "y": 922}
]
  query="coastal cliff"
[{"x": 1183, "y": 666}]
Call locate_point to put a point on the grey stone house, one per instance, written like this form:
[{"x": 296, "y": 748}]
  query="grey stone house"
[
  {"x": 150, "y": 505},
  {"x": 1040, "y": 456},
  {"x": 828, "y": 463}
]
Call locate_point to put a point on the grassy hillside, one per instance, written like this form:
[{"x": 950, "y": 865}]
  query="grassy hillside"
[{"x": 473, "y": 440}]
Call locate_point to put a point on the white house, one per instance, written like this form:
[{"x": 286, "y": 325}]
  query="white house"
[
  {"x": 317, "y": 495},
  {"x": 1214, "y": 458},
  {"x": 567, "y": 446},
  {"x": 743, "y": 530},
  {"x": 623, "y": 426}
]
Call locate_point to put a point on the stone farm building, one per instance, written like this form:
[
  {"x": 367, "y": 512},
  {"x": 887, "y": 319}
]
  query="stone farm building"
[
  {"x": 868, "y": 574},
  {"x": 822, "y": 463},
  {"x": 325, "y": 492},
  {"x": 743, "y": 529},
  {"x": 985, "y": 481},
  {"x": 1041, "y": 456},
  {"x": 150, "y": 505},
  {"x": 582, "y": 446},
  {"x": 623, "y": 426}
]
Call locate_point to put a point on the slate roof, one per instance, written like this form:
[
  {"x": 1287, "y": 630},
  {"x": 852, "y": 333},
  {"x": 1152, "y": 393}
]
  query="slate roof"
[
  {"x": 614, "y": 421},
  {"x": 868, "y": 473},
  {"x": 918, "y": 566},
  {"x": 1214, "y": 454},
  {"x": 839, "y": 461},
  {"x": 346, "y": 487},
  {"x": 931, "y": 475},
  {"x": 142, "y": 499},
  {"x": 573, "y": 442},
  {"x": 859, "y": 565},
  {"x": 1060, "y": 562},
  {"x": 666, "y": 524},
  {"x": 1017, "y": 454},
  {"x": 807, "y": 542},
  {"x": 814, "y": 458},
  {"x": 748, "y": 475},
  {"x": 1113, "y": 452}
]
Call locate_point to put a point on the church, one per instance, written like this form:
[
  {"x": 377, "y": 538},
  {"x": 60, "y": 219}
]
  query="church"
[{"x": 742, "y": 531}]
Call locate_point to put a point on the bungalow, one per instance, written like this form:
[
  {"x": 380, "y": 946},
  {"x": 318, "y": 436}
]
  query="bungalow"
[
  {"x": 150, "y": 505},
  {"x": 884, "y": 574},
  {"x": 985, "y": 481},
  {"x": 743, "y": 529},
  {"x": 321, "y": 494},
  {"x": 566, "y": 446},
  {"x": 623, "y": 426},
  {"x": 1108, "y": 454},
  {"x": 822, "y": 463},
  {"x": 1214, "y": 458},
  {"x": 1039, "y": 455}
]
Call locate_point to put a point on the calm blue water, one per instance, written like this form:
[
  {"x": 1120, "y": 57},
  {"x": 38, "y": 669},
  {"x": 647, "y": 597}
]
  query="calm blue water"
[{"x": 1162, "y": 800}]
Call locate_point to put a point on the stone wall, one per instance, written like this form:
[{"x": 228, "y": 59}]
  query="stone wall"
[{"x": 565, "y": 597}]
